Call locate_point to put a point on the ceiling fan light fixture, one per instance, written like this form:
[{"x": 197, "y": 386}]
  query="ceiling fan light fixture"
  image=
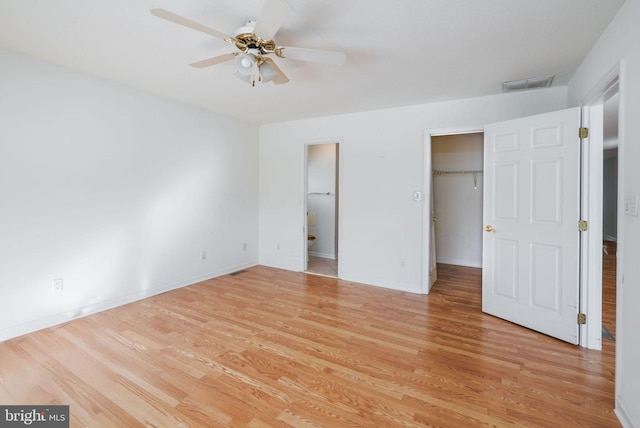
[
  {"x": 267, "y": 72},
  {"x": 248, "y": 68},
  {"x": 249, "y": 78},
  {"x": 243, "y": 77},
  {"x": 246, "y": 64}
]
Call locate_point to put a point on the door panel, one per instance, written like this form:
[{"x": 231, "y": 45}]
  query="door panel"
[
  {"x": 506, "y": 277},
  {"x": 545, "y": 276},
  {"x": 531, "y": 210},
  {"x": 546, "y": 178},
  {"x": 506, "y": 185}
]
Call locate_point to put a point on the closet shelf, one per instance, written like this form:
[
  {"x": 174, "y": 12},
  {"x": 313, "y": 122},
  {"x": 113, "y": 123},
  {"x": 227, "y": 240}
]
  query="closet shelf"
[
  {"x": 438, "y": 172},
  {"x": 474, "y": 173}
]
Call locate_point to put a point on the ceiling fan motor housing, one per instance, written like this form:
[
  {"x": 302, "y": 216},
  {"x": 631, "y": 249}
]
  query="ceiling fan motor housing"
[
  {"x": 248, "y": 28},
  {"x": 246, "y": 39}
]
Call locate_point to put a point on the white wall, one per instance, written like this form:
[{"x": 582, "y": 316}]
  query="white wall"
[
  {"x": 458, "y": 198},
  {"x": 381, "y": 166},
  {"x": 620, "y": 42},
  {"x": 114, "y": 191},
  {"x": 321, "y": 174}
]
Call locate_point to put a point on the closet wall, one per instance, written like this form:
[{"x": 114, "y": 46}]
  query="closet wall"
[{"x": 458, "y": 198}]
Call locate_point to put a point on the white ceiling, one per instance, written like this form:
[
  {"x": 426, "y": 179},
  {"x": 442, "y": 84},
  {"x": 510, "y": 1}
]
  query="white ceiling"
[{"x": 400, "y": 52}]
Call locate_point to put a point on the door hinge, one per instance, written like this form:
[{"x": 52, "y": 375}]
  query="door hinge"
[
  {"x": 582, "y": 318},
  {"x": 583, "y": 132},
  {"x": 583, "y": 226}
]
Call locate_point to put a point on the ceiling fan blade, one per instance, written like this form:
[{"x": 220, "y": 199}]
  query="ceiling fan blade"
[
  {"x": 213, "y": 61},
  {"x": 170, "y": 16},
  {"x": 273, "y": 14},
  {"x": 280, "y": 78},
  {"x": 312, "y": 55}
]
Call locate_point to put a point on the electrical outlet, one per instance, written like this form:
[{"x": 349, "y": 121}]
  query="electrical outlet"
[
  {"x": 56, "y": 285},
  {"x": 203, "y": 255}
]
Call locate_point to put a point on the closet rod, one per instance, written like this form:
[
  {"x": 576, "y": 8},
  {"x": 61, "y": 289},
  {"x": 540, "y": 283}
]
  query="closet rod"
[
  {"x": 437, "y": 172},
  {"x": 319, "y": 193}
]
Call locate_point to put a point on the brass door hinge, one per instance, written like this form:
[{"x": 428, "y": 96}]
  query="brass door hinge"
[
  {"x": 582, "y": 318},
  {"x": 583, "y": 132},
  {"x": 583, "y": 226}
]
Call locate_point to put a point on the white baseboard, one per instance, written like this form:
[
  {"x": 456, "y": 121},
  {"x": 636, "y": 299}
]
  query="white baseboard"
[
  {"x": 459, "y": 262},
  {"x": 56, "y": 319},
  {"x": 622, "y": 415},
  {"x": 323, "y": 255}
]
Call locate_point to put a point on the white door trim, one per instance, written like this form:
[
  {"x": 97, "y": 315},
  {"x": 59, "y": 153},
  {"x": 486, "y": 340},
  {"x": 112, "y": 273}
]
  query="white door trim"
[
  {"x": 591, "y": 248},
  {"x": 591, "y": 240},
  {"x": 427, "y": 196}
]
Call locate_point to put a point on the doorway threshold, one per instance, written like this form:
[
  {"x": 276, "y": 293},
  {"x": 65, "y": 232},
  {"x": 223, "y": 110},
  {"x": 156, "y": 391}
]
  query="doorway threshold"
[{"x": 322, "y": 266}]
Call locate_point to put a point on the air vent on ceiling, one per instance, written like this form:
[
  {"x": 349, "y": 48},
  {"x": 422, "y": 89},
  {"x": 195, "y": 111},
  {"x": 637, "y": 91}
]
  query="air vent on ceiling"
[{"x": 524, "y": 84}]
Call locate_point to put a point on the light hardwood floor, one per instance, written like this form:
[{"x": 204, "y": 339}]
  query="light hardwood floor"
[
  {"x": 609, "y": 287},
  {"x": 276, "y": 348}
]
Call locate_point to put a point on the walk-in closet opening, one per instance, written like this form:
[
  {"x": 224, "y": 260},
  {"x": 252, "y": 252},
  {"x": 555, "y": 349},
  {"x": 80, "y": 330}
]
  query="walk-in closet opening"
[{"x": 457, "y": 162}]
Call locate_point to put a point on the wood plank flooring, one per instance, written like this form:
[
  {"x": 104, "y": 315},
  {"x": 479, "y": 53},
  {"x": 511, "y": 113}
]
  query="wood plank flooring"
[
  {"x": 277, "y": 348},
  {"x": 609, "y": 287}
]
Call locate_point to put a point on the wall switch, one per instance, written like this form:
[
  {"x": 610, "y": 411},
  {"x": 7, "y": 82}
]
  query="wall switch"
[
  {"x": 244, "y": 247},
  {"x": 56, "y": 285},
  {"x": 631, "y": 204},
  {"x": 417, "y": 196},
  {"x": 203, "y": 255}
]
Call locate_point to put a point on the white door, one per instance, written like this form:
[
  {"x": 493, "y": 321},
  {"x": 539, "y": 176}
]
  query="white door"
[{"x": 531, "y": 213}]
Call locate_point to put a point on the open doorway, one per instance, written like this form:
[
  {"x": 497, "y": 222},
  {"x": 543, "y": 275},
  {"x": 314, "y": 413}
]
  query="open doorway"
[
  {"x": 457, "y": 198},
  {"x": 609, "y": 215},
  {"x": 453, "y": 165},
  {"x": 322, "y": 207}
]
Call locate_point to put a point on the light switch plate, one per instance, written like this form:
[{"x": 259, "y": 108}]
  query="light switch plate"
[
  {"x": 631, "y": 204},
  {"x": 417, "y": 196}
]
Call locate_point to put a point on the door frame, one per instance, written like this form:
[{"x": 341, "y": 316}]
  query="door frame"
[
  {"x": 591, "y": 208},
  {"x": 305, "y": 190},
  {"x": 590, "y": 287},
  {"x": 427, "y": 196}
]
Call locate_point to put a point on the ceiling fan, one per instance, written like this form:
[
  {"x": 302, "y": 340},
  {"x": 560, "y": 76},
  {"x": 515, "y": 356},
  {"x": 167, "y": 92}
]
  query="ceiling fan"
[{"x": 255, "y": 42}]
